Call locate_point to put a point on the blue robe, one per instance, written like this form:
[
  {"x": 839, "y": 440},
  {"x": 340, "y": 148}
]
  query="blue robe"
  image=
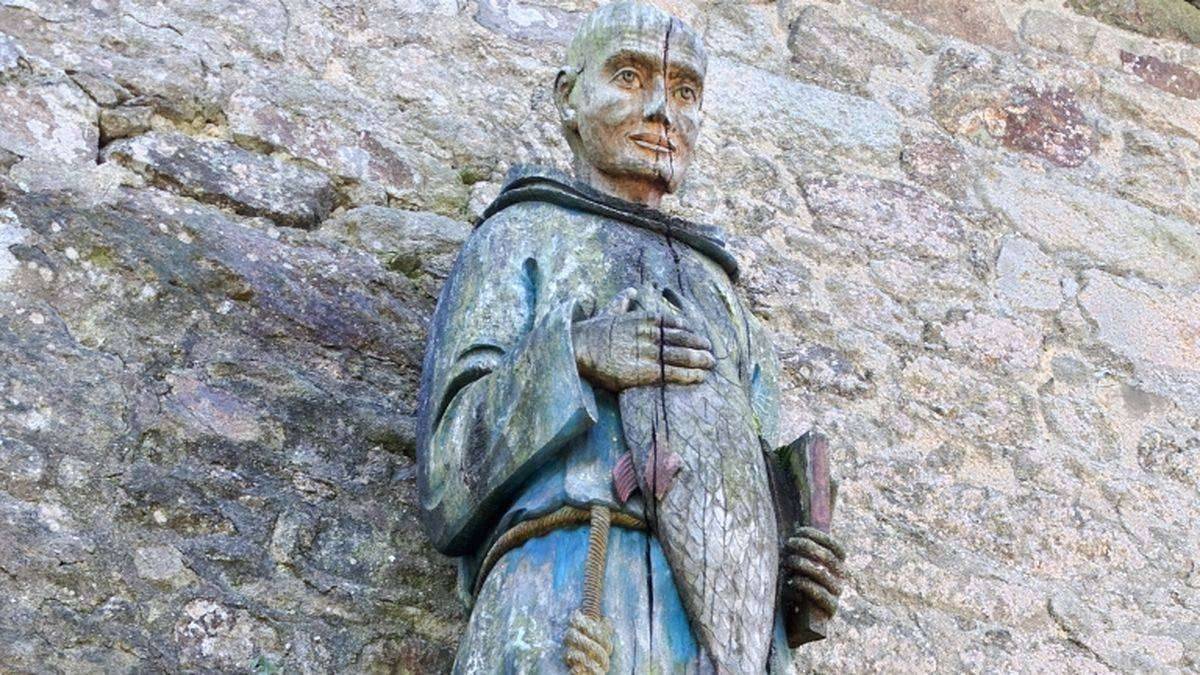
[{"x": 509, "y": 431}]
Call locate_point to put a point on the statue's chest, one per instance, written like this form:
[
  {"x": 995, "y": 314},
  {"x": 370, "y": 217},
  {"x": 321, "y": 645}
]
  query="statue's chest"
[{"x": 601, "y": 261}]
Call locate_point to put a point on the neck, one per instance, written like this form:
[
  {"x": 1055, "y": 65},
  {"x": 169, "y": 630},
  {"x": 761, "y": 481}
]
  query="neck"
[{"x": 636, "y": 190}]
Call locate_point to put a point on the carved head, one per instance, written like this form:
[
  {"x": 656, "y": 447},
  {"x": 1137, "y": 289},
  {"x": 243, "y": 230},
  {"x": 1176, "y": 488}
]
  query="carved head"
[{"x": 629, "y": 100}]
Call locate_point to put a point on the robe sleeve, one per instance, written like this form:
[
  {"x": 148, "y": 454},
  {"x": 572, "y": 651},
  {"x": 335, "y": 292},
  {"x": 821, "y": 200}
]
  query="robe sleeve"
[
  {"x": 500, "y": 391},
  {"x": 763, "y": 380}
]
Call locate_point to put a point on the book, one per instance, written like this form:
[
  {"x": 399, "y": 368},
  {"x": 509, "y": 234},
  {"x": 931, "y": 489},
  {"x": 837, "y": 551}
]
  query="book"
[{"x": 803, "y": 492}]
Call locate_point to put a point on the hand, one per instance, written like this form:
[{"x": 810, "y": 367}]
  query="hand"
[
  {"x": 588, "y": 642},
  {"x": 814, "y": 569},
  {"x": 619, "y": 349}
]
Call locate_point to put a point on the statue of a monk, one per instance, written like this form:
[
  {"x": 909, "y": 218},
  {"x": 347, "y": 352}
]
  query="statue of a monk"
[{"x": 596, "y": 399}]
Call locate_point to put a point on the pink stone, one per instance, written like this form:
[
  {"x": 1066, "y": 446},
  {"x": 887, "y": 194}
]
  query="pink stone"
[
  {"x": 1049, "y": 124},
  {"x": 1169, "y": 77}
]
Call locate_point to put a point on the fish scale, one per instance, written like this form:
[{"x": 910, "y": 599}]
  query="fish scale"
[{"x": 716, "y": 522}]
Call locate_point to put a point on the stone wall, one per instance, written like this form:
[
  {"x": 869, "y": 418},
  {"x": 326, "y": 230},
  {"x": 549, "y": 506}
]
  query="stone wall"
[{"x": 974, "y": 228}]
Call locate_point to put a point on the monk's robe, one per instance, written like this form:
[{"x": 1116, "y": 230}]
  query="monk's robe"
[{"x": 509, "y": 431}]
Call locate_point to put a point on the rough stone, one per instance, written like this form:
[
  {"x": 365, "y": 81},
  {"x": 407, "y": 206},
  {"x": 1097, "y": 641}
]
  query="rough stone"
[
  {"x": 1134, "y": 103},
  {"x": 1000, "y": 347},
  {"x": 1157, "y": 331},
  {"x": 994, "y": 341},
  {"x": 7, "y": 160},
  {"x": 964, "y": 97},
  {"x": 1096, "y": 229},
  {"x": 340, "y": 134},
  {"x": 50, "y": 120},
  {"x": 408, "y": 242},
  {"x": 885, "y": 216},
  {"x": 796, "y": 119},
  {"x": 935, "y": 161},
  {"x": 208, "y": 379},
  {"x": 123, "y": 122},
  {"x": 824, "y": 369},
  {"x": 1044, "y": 121},
  {"x": 216, "y": 172},
  {"x": 11, "y": 235},
  {"x": 1172, "y": 19},
  {"x": 1055, "y": 32},
  {"x": 1026, "y": 277},
  {"x": 212, "y": 635},
  {"x": 748, "y": 32},
  {"x": 830, "y": 53},
  {"x": 1155, "y": 173},
  {"x": 1048, "y": 123},
  {"x": 106, "y": 92},
  {"x": 1170, "y": 77},
  {"x": 528, "y": 21},
  {"x": 976, "y": 22},
  {"x": 10, "y": 54},
  {"x": 158, "y": 563}
]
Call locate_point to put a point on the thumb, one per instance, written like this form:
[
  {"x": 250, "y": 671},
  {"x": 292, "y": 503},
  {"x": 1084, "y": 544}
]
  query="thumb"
[{"x": 622, "y": 302}]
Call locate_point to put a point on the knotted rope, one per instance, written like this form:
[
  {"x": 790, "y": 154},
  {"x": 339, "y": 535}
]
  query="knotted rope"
[
  {"x": 583, "y": 655},
  {"x": 557, "y": 520}
]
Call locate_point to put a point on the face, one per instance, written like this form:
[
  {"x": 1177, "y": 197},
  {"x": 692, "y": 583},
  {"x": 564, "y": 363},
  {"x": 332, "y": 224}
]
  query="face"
[{"x": 638, "y": 117}]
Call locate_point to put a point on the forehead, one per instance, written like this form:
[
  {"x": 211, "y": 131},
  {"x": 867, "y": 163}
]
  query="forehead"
[
  {"x": 640, "y": 30},
  {"x": 682, "y": 51}
]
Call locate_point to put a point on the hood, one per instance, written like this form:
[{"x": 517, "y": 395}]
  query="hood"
[{"x": 540, "y": 184}]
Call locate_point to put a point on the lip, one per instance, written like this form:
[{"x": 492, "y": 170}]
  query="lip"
[{"x": 653, "y": 143}]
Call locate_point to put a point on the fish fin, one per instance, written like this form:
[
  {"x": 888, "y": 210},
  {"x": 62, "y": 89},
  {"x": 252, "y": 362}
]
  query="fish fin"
[
  {"x": 660, "y": 474},
  {"x": 624, "y": 477}
]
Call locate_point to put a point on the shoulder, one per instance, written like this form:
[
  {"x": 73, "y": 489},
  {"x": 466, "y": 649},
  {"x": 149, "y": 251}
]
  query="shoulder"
[
  {"x": 523, "y": 226},
  {"x": 528, "y": 217},
  {"x": 506, "y": 239}
]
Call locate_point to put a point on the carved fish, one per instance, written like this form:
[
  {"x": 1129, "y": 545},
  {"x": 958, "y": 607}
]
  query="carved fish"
[{"x": 712, "y": 513}]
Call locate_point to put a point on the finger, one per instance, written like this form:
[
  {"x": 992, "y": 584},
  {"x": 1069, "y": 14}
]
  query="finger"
[
  {"x": 677, "y": 375},
  {"x": 688, "y": 358},
  {"x": 681, "y": 303},
  {"x": 658, "y": 320},
  {"x": 669, "y": 309},
  {"x": 622, "y": 302},
  {"x": 799, "y": 589},
  {"x": 818, "y": 573},
  {"x": 652, "y": 325},
  {"x": 681, "y": 337},
  {"x": 823, "y": 539},
  {"x": 802, "y": 546}
]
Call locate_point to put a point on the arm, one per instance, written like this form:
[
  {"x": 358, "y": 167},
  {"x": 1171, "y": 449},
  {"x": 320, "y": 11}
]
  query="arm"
[
  {"x": 813, "y": 569},
  {"x": 762, "y": 380},
  {"x": 503, "y": 385},
  {"x": 500, "y": 392}
]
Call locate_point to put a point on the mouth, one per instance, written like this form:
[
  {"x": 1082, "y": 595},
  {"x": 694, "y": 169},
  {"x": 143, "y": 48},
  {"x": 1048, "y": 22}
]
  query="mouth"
[{"x": 653, "y": 142}]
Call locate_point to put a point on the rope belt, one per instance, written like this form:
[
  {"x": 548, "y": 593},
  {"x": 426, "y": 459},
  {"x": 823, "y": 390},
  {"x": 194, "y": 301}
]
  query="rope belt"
[
  {"x": 565, "y": 517},
  {"x": 593, "y": 571},
  {"x": 582, "y": 656}
]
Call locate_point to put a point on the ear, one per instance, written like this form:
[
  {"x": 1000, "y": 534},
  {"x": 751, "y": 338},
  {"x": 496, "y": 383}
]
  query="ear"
[{"x": 564, "y": 83}]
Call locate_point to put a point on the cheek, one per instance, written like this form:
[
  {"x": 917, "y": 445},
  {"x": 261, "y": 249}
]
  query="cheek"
[
  {"x": 688, "y": 125},
  {"x": 611, "y": 106}
]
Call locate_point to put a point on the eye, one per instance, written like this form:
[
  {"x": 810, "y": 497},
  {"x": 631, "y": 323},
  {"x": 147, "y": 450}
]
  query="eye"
[
  {"x": 627, "y": 77},
  {"x": 686, "y": 92}
]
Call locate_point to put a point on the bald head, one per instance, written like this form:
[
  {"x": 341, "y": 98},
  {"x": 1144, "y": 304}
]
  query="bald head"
[
  {"x": 629, "y": 98},
  {"x": 630, "y": 22}
]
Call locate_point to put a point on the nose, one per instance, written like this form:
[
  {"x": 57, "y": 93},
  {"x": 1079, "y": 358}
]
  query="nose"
[{"x": 656, "y": 106}]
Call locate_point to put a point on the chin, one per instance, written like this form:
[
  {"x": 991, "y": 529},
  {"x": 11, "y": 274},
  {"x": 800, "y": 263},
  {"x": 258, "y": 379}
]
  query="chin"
[{"x": 648, "y": 170}]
